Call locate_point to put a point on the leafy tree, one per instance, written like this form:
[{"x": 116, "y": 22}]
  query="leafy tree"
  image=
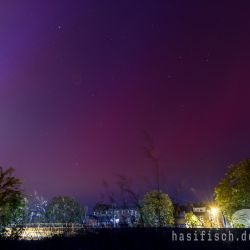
[
  {"x": 65, "y": 210},
  {"x": 11, "y": 200},
  {"x": 233, "y": 191},
  {"x": 192, "y": 220},
  {"x": 15, "y": 216},
  {"x": 157, "y": 209}
]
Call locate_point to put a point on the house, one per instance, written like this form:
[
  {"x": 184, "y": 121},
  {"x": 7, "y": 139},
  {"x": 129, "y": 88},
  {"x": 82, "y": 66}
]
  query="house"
[
  {"x": 202, "y": 213},
  {"x": 109, "y": 216}
]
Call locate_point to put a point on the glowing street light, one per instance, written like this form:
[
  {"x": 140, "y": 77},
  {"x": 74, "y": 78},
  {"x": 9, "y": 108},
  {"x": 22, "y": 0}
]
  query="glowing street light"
[
  {"x": 214, "y": 214},
  {"x": 214, "y": 211}
]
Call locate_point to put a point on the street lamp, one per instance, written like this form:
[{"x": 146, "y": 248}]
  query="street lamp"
[
  {"x": 218, "y": 216},
  {"x": 214, "y": 211}
]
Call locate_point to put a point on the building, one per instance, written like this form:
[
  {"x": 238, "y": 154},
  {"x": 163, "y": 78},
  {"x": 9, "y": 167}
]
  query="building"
[
  {"x": 107, "y": 216},
  {"x": 208, "y": 217},
  {"x": 202, "y": 214}
]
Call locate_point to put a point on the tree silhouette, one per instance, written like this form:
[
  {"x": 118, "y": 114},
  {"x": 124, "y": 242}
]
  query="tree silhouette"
[
  {"x": 233, "y": 191},
  {"x": 63, "y": 209},
  {"x": 157, "y": 209},
  {"x": 11, "y": 199}
]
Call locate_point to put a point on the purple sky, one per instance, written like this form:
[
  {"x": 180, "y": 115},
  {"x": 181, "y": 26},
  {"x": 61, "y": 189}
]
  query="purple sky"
[{"x": 81, "y": 80}]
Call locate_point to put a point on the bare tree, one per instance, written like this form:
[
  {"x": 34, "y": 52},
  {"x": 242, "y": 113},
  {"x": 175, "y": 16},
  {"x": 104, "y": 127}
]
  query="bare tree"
[
  {"x": 36, "y": 206},
  {"x": 151, "y": 155},
  {"x": 150, "y": 152}
]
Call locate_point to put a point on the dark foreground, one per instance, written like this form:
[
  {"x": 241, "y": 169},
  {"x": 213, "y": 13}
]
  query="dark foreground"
[{"x": 131, "y": 239}]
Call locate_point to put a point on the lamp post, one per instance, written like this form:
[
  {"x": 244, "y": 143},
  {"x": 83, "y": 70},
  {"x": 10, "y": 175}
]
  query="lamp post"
[
  {"x": 214, "y": 216},
  {"x": 225, "y": 222}
]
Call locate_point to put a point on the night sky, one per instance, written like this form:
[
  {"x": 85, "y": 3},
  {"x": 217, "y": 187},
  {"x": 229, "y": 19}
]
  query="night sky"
[{"x": 80, "y": 82}]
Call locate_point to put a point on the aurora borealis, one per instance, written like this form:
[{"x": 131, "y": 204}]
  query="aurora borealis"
[{"x": 81, "y": 80}]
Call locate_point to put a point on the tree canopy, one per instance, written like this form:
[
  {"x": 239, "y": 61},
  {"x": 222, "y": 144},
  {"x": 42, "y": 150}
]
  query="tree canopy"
[
  {"x": 11, "y": 199},
  {"x": 157, "y": 209},
  {"x": 65, "y": 210},
  {"x": 233, "y": 191},
  {"x": 192, "y": 220}
]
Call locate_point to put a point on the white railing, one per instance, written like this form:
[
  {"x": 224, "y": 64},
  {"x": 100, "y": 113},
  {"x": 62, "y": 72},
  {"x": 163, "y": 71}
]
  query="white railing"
[{"x": 54, "y": 225}]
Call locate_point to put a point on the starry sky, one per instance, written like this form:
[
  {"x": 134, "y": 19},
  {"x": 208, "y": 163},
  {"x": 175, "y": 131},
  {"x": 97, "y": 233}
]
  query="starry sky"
[{"x": 80, "y": 82}]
